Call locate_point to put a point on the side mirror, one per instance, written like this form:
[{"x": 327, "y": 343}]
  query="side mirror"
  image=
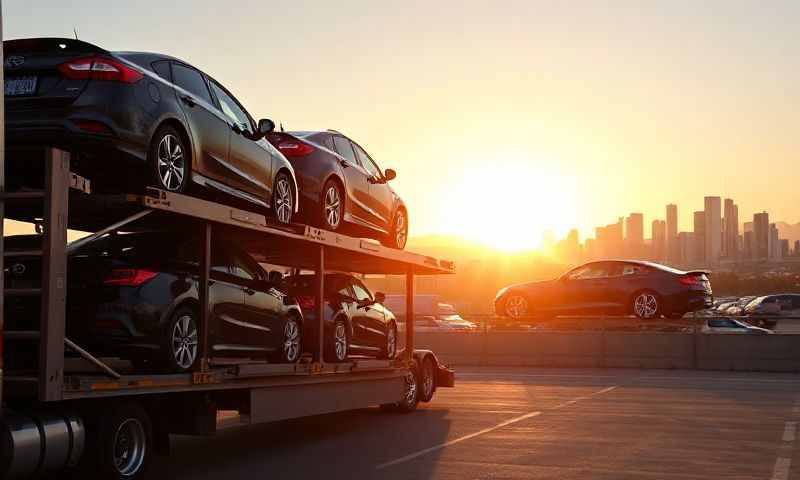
[
  {"x": 389, "y": 174},
  {"x": 265, "y": 126},
  {"x": 380, "y": 297}
]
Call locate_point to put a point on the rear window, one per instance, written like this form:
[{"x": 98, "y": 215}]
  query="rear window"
[{"x": 192, "y": 81}]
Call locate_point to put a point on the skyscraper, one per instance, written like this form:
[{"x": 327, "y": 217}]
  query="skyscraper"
[
  {"x": 687, "y": 246},
  {"x": 761, "y": 235},
  {"x": 774, "y": 242},
  {"x": 659, "y": 237},
  {"x": 731, "y": 245},
  {"x": 713, "y": 229},
  {"x": 673, "y": 249},
  {"x": 634, "y": 235},
  {"x": 699, "y": 238}
]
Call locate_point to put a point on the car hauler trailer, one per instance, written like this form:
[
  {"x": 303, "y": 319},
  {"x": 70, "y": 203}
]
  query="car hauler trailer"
[{"x": 55, "y": 414}]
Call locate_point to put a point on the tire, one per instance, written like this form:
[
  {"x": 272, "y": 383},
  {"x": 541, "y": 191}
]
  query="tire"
[
  {"x": 516, "y": 306},
  {"x": 291, "y": 344},
  {"x": 170, "y": 159},
  {"x": 119, "y": 442},
  {"x": 180, "y": 348},
  {"x": 427, "y": 380},
  {"x": 331, "y": 215},
  {"x": 283, "y": 198},
  {"x": 398, "y": 235},
  {"x": 339, "y": 343},
  {"x": 389, "y": 351},
  {"x": 410, "y": 398},
  {"x": 646, "y": 304}
]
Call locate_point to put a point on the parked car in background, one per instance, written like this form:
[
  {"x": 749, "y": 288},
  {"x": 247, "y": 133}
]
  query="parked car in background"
[
  {"x": 736, "y": 307},
  {"x": 136, "y": 296},
  {"x": 785, "y": 305},
  {"x": 430, "y": 314},
  {"x": 730, "y": 325},
  {"x": 342, "y": 188},
  {"x": 611, "y": 287},
  {"x": 140, "y": 119},
  {"x": 356, "y": 322}
]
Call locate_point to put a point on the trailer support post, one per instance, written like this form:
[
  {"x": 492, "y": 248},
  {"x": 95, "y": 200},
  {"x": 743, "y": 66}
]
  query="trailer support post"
[
  {"x": 205, "y": 273},
  {"x": 2, "y": 189},
  {"x": 54, "y": 276},
  {"x": 319, "y": 305},
  {"x": 409, "y": 314}
]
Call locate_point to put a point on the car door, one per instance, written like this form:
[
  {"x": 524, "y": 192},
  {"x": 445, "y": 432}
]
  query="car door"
[
  {"x": 356, "y": 180},
  {"x": 249, "y": 161},
  {"x": 381, "y": 198},
  {"x": 370, "y": 318},
  {"x": 625, "y": 279},
  {"x": 234, "y": 330},
  {"x": 584, "y": 290},
  {"x": 209, "y": 129}
]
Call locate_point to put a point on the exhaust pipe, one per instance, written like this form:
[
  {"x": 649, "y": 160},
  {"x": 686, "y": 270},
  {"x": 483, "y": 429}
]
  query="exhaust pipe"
[{"x": 39, "y": 443}]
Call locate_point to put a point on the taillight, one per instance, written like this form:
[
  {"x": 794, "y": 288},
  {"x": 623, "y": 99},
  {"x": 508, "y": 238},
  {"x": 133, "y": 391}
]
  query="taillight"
[
  {"x": 295, "y": 148},
  {"x": 99, "y": 68},
  {"x": 129, "y": 277},
  {"x": 690, "y": 280},
  {"x": 306, "y": 302},
  {"x": 92, "y": 126}
]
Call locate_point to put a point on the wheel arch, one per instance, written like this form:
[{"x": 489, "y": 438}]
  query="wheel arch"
[
  {"x": 295, "y": 190},
  {"x": 182, "y": 130}
]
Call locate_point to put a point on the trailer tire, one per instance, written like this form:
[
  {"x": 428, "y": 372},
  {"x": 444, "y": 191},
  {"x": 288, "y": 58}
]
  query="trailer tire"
[
  {"x": 119, "y": 443},
  {"x": 427, "y": 380},
  {"x": 410, "y": 398}
]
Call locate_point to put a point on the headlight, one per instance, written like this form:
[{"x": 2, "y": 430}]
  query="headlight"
[{"x": 500, "y": 293}]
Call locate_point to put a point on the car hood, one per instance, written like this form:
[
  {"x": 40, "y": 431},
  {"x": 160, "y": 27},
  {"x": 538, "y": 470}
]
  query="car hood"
[{"x": 541, "y": 286}]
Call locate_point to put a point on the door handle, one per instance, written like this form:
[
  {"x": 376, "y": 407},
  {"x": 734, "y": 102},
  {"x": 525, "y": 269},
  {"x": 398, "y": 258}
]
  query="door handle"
[
  {"x": 343, "y": 163},
  {"x": 249, "y": 291},
  {"x": 188, "y": 100}
]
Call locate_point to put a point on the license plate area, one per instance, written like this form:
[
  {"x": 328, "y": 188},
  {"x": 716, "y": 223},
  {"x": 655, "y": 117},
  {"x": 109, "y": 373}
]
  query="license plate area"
[{"x": 19, "y": 86}]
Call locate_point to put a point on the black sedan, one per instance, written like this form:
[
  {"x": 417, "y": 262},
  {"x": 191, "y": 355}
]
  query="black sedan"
[
  {"x": 140, "y": 119},
  {"x": 645, "y": 289},
  {"x": 136, "y": 296},
  {"x": 342, "y": 188},
  {"x": 356, "y": 322}
]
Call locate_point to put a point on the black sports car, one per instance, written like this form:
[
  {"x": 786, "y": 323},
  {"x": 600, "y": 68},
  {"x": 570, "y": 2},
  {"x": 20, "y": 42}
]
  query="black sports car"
[
  {"x": 356, "y": 322},
  {"x": 645, "y": 289},
  {"x": 342, "y": 188},
  {"x": 136, "y": 296},
  {"x": 134, "y": 119}
]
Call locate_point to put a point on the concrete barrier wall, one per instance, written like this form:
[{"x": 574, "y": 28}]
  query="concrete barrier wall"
[{"x": 776, "y": 353}]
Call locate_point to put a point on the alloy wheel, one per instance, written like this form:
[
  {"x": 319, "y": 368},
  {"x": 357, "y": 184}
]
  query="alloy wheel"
[
  {"x": 171, "y": 165},
  {"x": 427, "y": 380},
  {"x": 340, "y": 341},
  {"x": 516, "y": 306},
  {"x": 645, "y": 305},
  {"x": 391, "y": 343},
  {"x": 333, "y": 207},
  {"x": 184, "y": 342},
  {"x": 129, "y": 447},
  {"x": 400, "y": 230},
  {"x": 291, "y": 344},
  {"x": 284, "y": 202},
  {"x": 410, "y": 397}
]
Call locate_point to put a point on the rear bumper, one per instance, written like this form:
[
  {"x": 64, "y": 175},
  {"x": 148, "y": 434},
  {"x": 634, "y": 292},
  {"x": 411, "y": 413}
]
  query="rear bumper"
[{"x": 691, "y": 301}]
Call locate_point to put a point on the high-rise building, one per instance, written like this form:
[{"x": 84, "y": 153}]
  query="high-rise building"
[
  {"x": 731, "y": 243},
  {"x": 796, "y": 251},
  {"x": 699, "y": 238},
  {"x": 672, "y": 233},
  {"x": 634, "y": 235},
  {"x": 748, "y": 246},
  {"x": 761, "y": 235},
  {"x": 774, "y": 242},
  {"x": 659, "y": 238},
  {"x": 686, "y": 248},
  {"x": 609, "y": 240},
  {"x": 713, "y": 229},
  {"x": 784, "y": 247}
]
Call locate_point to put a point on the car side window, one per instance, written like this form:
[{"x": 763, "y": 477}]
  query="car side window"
[
  {"x": 361, "y": 292},
  {"x": 367, "y": 162},
  {"x": 243, "y": 268},
  {"x": 345, "y": 149},
  {"x": 231, "y": 108},
  {"x": 589, "y": 272},
  {"x": 162, "y": 69},
  {"x": 633, "y": 269},
  {"x": 192, "y": 81}
]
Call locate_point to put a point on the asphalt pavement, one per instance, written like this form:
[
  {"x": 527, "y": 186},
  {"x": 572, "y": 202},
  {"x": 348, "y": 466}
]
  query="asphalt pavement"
[{"x": 530, "y": 423}]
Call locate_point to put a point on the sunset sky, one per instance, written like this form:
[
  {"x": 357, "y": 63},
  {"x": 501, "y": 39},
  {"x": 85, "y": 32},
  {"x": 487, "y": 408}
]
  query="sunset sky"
[{"x": 503, "y": 119}]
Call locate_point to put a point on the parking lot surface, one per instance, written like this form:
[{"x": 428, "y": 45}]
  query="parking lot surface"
[{"x": 530, "y": 423}]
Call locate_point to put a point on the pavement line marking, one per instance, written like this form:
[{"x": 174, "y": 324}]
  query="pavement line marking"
[
  {"x": 484, "y": 431},
  {"x": 457, "y": 440},
  {"x": 789, "y": 431}
]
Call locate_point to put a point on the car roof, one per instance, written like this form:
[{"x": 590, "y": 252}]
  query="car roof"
[{"x": 645, "y": 263}]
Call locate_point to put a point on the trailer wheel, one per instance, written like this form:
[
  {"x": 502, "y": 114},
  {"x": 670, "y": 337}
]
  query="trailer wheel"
[
  {"x": 410, "y": 398},
  {"x": 119, "y": 443},
  {"x": 427, "y": 380}
]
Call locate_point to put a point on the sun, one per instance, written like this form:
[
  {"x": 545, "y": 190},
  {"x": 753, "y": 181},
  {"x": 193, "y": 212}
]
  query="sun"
[{"x": 509, "y": 206}]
